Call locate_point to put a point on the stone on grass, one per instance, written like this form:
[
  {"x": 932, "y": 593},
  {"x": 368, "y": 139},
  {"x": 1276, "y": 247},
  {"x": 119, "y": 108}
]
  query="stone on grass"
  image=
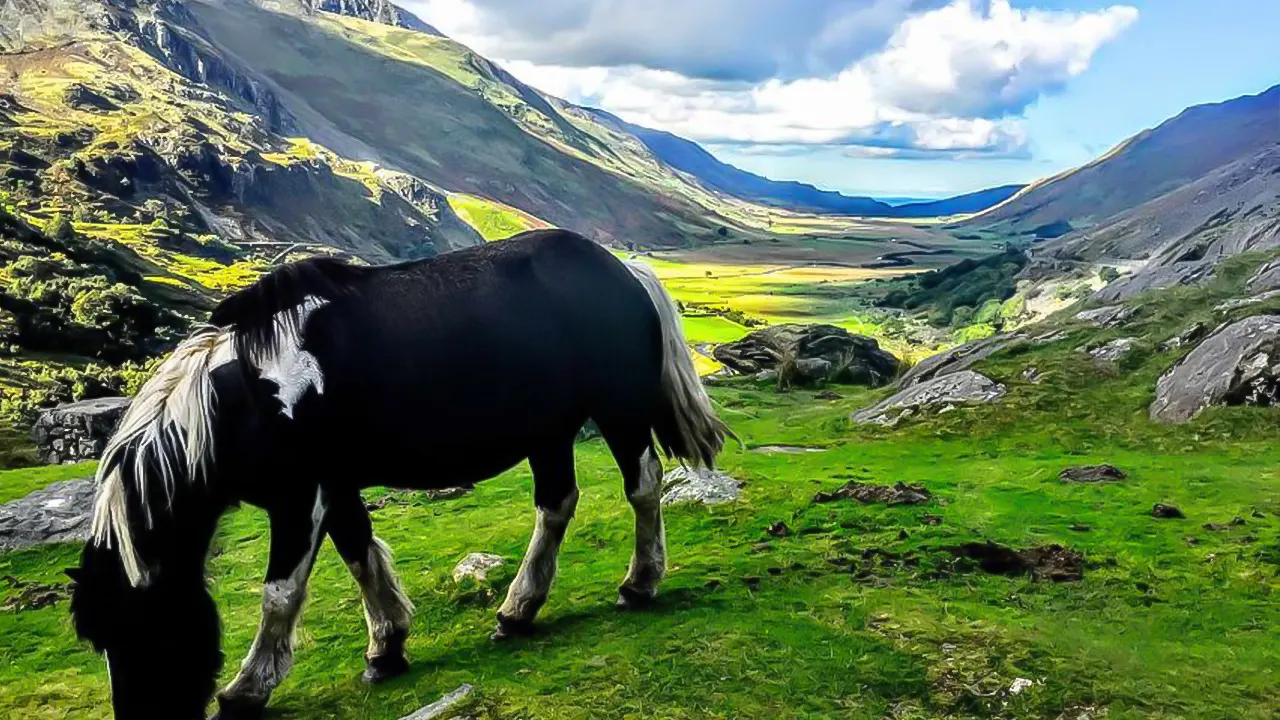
[
  {"x": 58, "y": 513},
  {"x": 477, "y": 566},
  {"x": 708, "y": 487},
  {"x": 1191, "y": 335},
  {"x": 443, "y": 705},
  {"x": 1112, "y": 351},
  {"x": 1106, "y": 317},
  {"x": 77, "y": 432},
  {"x": 1166, "y": 512},
  {"x": 957, "y": 359},
  {"x": 897, "y": 494},
  {"x": 1092, "y": 474},
  {"x": 1237, "y": 365},
  {"x": 939, "y": 394},
  {"x": 845, "y": 357}
]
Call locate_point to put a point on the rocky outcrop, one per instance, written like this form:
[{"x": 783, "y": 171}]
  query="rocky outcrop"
[
  {"x": 379, "y": 11},
  {"x": 78, "y": 431},
  {"x": 821, "y": 352},
  {"x": 1106, "y": 317},
  {"x": 957, "y": 359},
  {"x": 1238, "y": 365},
  {"x": 940, "y": 394},
  {"x": 708, "y": 487},
  {"x": 58, "y": 513},
  {"x": 1266, "y": 279},
  {"x": 1112, "y": 351}
]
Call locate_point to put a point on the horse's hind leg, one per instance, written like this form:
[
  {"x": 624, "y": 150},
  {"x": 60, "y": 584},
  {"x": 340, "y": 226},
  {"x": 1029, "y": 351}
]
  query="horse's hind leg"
[
  {"x": 387, "y": 610},
  {"x": 556, "y": 496},
  {"x": 295, "y": 537},
  {"x": 642, "y": 478}
]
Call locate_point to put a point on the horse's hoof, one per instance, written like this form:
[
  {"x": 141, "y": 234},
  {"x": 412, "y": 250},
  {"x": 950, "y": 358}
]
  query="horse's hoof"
[
  {"x": 239, "y": 709},
  {"x": 511, "y": 628},
  {"x": 630, "y": 598},
  {"x": 381, "y": 669}
]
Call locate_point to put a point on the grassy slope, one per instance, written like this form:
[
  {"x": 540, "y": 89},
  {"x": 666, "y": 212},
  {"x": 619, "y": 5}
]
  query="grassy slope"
[{"x": 1158, "y": 628}]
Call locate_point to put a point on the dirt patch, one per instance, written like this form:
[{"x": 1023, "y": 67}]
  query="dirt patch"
[
  {"x": 866, "y": 493},
  {"x": 1047, "y": 562},
  {"x": 404, "y": 498},
  {"x": 32, "y": 595},
  {"x": 1092, "y": 474}
]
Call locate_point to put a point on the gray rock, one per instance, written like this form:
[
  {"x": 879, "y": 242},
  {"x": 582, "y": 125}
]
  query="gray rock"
[
  {"x": 58, "y": 513},
  {"x": 1031, "y": 374},
  {"x": 811, "y": 371},
  {"x": 78, "y": 431},
  {"x": 787, "y": 450},
  {"x": 1112, "y": 351},
  {"x": 956, "y": 359},
  {"x": 1156, "y": 277},
  {"x": 443, "y": 705},
  {"x": 709, "y": 487},
  {"x": 1106, "y": 317},
  {"x": 1266, "y": 279},
  {"x": 1237, "y": 365},
  {"x": 477, "y": 566},
  {"x": 853, "y": 358},
  {"x": 1238, "y": 303},
  {"x": 1191, "y": 335},
  {"x": 940, "y": 394}
]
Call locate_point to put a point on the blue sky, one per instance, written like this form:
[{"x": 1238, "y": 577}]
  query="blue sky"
[{"x": 920, "y": 98}]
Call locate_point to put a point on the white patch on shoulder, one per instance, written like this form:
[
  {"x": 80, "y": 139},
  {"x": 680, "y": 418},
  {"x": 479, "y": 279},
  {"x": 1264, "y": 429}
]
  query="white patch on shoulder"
[{"x": 291, "y": 368}]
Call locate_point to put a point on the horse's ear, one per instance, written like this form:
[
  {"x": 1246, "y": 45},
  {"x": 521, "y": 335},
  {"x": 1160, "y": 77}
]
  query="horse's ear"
[{"x": 74, "y": 573}]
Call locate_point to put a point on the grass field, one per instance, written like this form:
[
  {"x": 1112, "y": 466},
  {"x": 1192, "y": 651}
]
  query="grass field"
[{"x": 1171, "y": 619}]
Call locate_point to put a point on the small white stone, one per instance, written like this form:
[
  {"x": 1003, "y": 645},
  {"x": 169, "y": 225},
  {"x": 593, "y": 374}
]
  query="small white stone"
[
  {"x": 1020, "y": 684},
  {"x": 477, "y": 566}
]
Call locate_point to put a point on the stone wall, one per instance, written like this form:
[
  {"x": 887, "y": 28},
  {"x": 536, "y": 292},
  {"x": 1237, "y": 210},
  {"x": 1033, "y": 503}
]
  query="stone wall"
[{"x": 79, "y": 431}]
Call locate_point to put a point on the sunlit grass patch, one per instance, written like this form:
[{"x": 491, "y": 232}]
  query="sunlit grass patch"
[{"x": 493, "y": 220}]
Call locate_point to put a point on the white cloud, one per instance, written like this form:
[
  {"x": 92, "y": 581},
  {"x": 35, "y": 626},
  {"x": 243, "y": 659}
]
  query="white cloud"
[{"x": 950, "y": 79}]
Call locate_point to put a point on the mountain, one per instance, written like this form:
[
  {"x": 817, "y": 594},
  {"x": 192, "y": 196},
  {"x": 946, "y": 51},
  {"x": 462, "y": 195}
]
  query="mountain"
[
  {"x": 959, "y": 205},
  {"x": 690, "y": 157},
  {"x": 1146, "y": 166},
  {"x": 1163, "y": 209}
]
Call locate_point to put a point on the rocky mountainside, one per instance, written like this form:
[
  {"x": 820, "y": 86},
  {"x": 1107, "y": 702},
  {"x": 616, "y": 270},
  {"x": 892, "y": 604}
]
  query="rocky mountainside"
[{"x": 1145, "y": 167}]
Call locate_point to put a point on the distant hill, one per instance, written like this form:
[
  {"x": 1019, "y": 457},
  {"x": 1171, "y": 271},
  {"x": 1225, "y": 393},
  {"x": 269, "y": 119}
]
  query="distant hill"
[
  {"x": 690, "y": 157},
  {"x": 1146, "y": 166}
]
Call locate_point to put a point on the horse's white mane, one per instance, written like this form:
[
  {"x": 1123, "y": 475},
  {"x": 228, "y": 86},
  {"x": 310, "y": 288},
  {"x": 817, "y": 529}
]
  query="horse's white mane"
[{"x": 171, "y": 421}]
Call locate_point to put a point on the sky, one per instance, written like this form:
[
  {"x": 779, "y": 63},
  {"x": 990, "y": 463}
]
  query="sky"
[{"x": 889, "y": 98}]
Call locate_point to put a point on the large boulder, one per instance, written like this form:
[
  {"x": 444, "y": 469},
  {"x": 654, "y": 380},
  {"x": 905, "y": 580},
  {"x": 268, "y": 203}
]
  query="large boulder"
[
  {"x": 58, "y": 513},
  {"x": 956, "y": 359},
  {"x": 846, "y": 357},
  {"x": 79, "y": 431},
  {"x": 1237, "y": 365},
  {"x": 941, "y": 394}
]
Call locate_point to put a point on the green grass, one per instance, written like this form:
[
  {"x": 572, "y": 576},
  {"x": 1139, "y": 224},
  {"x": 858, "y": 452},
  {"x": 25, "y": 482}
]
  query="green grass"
[
  {"x": 493, "y": 220},
  {"x": 15, "y": 484},
  {"x": 1158, "y": 628},
  {"x": 712, "y": 329}
]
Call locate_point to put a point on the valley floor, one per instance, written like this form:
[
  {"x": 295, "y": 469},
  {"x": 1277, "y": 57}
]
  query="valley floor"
[{"x": 858, "y": 612}]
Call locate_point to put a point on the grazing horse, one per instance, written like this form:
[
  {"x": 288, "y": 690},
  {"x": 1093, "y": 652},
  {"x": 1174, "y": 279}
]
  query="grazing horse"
[{"x": 326, "y": 378}]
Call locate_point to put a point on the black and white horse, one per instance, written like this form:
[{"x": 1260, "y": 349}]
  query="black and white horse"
[{"x": 470, "y": 362}]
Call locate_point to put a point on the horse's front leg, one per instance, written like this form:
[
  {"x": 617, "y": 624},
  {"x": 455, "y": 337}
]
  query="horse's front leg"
[
  {"x": 296, "y": 531},
  {"x": 387, "y": 610}
]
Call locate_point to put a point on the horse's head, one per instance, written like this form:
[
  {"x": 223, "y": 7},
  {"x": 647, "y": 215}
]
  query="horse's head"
[{"x": 161, "y": 639}]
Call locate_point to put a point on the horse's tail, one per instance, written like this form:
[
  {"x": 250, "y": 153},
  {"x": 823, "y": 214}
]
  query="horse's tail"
[
  {"x": 167, "y": 431},
  {"x": 689, "y": 428}
]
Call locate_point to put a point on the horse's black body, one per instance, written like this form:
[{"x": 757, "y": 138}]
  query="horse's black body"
[{"x": 435, "y": 374}]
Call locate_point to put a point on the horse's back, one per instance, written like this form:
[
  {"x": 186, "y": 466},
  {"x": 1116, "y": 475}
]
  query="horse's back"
[{"x": 472, "y": 359}]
